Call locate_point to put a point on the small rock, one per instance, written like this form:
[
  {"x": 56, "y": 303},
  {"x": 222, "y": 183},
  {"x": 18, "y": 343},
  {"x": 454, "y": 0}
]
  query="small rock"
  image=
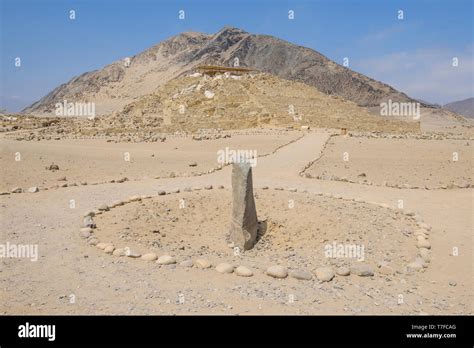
[
  {"x": 425, "y": 254},
  {"x": 343, "y": 271},
  {"x": 149, "y": 257},
  {"x": 362, "y": 270},
  {"x": 85, "y": 232},
  {"x": 192, "y": 164},
  {"x": 161, "y": 193},
  {"x": 277, "y": 271},
  {"x": 187, "y": 263},
  {"x": 33, "y": 189},
  {"x": 166, "y": 260},
  {"x": 103, "y": 207},
  {"x": 88, "y": 222},
  {"x": 208, "y": 187},
  {"x": 423, "y": 244},
  {"x": 424, "y": 226},
  {"x": 224, "y": 268},
  {"x": 324, "y": 274},
  {"x": 415, "y": 265},
  {"x": 93, "y": 241},
  {"x": 53, "y": 166},
  {"x": 119, "y": 252},
  {"x": 420, "y": 232},
  {"x": 109, "y": 249},
  {"x": 89, "y": 213},
  {"x": 202, "y": 263},
  {"x": 133, "y": 254},
  {"x": 301, "y": 274},
  {"x": 243, "y": 271},
  {"x": 16, "y": 190}
]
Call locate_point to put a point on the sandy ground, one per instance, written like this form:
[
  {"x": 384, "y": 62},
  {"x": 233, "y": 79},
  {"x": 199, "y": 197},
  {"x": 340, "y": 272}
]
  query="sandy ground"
[
  {"x": 96, "y": 160},
  {"x": 413, "y": 162},
  {"x": 68, "y": 268}
]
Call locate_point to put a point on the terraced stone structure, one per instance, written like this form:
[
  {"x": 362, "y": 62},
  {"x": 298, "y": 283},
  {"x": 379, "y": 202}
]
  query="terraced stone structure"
[{"x": 243, "y": 227}]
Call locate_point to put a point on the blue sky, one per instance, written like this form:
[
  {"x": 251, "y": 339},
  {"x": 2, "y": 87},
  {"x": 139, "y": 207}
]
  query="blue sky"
[{"x": 414, "y": 54}]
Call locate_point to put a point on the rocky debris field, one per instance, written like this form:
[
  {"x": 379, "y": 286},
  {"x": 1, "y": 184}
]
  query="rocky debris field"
[
  {"x": 252, "y": 100},
  {"x": 194, "y": 102}
]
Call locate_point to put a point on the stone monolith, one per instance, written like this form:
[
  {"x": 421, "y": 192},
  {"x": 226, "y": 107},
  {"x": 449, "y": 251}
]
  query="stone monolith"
[{"x": 243, "y": 228}]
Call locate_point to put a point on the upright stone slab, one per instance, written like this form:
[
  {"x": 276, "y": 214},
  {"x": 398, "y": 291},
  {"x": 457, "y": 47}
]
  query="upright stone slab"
[{"x": 243, "y": 228}]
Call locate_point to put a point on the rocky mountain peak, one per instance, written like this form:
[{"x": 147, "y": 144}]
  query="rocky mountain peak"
[
  {"x": 227, "y": 36},
  {"x": 115, "y": 85}
]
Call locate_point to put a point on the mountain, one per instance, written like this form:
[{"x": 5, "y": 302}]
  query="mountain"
[
  {"x": 429, "y": 104},
  {"x": 462, "y": 107},
  {"x": 117, "y": 84}
]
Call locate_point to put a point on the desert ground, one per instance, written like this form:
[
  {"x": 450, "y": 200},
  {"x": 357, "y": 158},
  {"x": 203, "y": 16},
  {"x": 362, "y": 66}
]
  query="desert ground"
[
  {"x": 402, "y": 197},
  {"x": 429, "y": 165},
  {"x": 96, "y": 160}
]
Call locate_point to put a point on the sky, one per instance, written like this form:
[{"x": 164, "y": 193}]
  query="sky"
[{"x": 414, "y": 54}]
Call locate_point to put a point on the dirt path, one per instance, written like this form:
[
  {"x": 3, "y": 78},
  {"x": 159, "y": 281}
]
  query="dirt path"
[{"x": 102, "y": 284}]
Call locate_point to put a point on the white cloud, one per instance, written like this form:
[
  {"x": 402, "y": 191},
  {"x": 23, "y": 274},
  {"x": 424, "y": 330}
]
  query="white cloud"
[
  {"x": 426, "y": 74},
  {"x": 382, "y": 34}
]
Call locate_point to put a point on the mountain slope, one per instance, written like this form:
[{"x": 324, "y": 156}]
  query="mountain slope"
[
  {"x": 462, "y": 107},
  {"x": 117, "y": 85}
]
